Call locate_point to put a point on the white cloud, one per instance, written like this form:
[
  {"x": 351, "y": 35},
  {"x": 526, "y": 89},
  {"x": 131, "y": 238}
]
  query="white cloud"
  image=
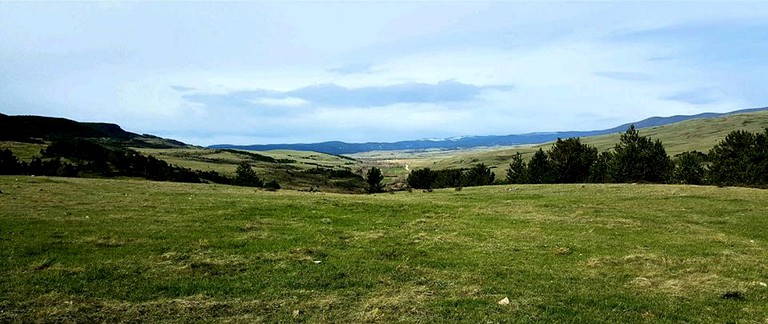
[
  {"x": 573, "y": 66},
  {"x": 281, "y": 102}
]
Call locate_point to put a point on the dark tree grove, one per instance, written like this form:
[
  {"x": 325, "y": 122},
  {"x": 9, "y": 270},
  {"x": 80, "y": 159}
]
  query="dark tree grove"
[
  {"x": 634, "y": 159},
  {"x": 87, "y": 158},
  {"x": 740, "y": 159},
  {"x": 479, "y": 175},
  {"x": 639, "y": 159},
  {"x": 9, "y": 164},
  {"x": 598, "y": 172},
  {"x": 571, "y": 160},
  {"x": 689, "y": 168},
  {"x": 421, "y": 178}
]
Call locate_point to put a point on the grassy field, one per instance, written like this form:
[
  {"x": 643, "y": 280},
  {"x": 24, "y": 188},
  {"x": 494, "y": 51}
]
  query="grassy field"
[
  {"x": 86, "y": 250},
  {"x": 225, "y": 161},
  {"x": 24, "y": 151},
  {"x": 698, "y": 134}
]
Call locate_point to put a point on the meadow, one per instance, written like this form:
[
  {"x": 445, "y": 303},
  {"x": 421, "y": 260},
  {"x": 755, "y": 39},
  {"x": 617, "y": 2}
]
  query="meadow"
[{"x": 100, "y": 250}]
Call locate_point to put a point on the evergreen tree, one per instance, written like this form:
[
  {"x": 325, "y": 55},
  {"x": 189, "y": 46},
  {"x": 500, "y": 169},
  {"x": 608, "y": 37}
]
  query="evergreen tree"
[
  {"x": 447, "y": 178},
  {"x": 374, "y": 178},
  {"x": 479, "y": 175},
  {"x": 517, "y": 172},
  {"x": 639, "y": 159},
  {"x": 689, "y": 168},
  {"x": 539, "y": 170},
  {"x": 570, "y": 160},
  {"x": 9, "y": 164},
  {"x": 740, "y": 159},
  {"x": 599, "y": 172},
  {"x": 245, "y": 176},
  {"x": 421, "y": 179}
]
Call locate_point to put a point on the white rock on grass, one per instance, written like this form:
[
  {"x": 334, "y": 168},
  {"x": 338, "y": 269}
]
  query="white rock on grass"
[{"x": 504, "y": 301}]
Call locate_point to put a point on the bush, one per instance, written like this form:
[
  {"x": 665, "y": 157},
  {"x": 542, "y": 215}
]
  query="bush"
[{"x": 272, "y": 185}]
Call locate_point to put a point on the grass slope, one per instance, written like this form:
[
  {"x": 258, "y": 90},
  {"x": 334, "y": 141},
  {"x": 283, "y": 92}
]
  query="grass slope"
[
  {"x": 286, "y": 168},
  {"x": 697, "y": 134},
  {"x": 88, "y": 250}
]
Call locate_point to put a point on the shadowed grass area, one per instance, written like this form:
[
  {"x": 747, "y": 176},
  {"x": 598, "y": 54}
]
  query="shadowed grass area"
[{"x": 106, "y": 250}]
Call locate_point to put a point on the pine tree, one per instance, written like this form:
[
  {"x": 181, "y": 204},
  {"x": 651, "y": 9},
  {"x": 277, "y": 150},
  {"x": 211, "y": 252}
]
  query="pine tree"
[
  {"x": 539, "y": 169},
  {"x": 245, "y": 176},
  {"x": 374, "y": 178},
  {"x": 517, "y": 172},
  {"x": 571, "y": 160},
  {"x": 639, "y": 159},
  {"x": 479, "y": 175}
]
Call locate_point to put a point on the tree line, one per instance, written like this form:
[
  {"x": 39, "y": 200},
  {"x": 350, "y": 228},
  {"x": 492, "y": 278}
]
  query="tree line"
[
  {"x": 478, "y": 175},
  {"x": 76, "y": 157},
  {"x": 741, "y": 159}
]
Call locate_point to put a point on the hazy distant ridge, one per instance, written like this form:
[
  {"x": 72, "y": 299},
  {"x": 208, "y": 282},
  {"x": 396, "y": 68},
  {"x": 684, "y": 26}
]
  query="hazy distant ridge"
[{"x": 336, "y": 147}]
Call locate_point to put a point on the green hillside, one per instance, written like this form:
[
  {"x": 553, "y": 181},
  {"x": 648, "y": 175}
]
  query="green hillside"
[
  {"x": 698, "y": 134},
  {"x": 292, "y": 169},
  {"x": 91, "y": 250}
]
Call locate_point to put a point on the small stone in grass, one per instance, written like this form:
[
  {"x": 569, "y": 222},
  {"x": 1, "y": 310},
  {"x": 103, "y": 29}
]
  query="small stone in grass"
[{"x": 504, "y": 301}]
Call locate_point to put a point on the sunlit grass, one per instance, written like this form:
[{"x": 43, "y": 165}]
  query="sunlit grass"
[{"x": 106, "y": 250}]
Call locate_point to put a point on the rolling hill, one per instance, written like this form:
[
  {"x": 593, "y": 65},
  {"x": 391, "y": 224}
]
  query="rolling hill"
[
  {"x": 699, "y": 134},
  {"x": 336, "y": 147},
  {"x": 36, "y": 129}
]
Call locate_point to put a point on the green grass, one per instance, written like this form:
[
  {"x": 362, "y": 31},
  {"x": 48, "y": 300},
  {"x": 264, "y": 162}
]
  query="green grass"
[
  {"x": 288, "y": 174},
  {"x": 85, "y": 250},
  {"x": 24, "y": 151}
]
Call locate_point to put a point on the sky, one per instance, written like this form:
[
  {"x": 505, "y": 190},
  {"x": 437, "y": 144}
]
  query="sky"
[{"x": 357, "y": 71}]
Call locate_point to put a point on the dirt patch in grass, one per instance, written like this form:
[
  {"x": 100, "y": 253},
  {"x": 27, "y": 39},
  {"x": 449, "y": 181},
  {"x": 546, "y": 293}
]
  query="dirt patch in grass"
[
  {"x": 392, "y": 304},
  {"x": 202, "y": 263}
]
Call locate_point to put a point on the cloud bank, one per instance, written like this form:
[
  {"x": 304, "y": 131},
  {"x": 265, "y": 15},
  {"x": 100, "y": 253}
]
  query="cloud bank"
[{"x": 247, "y": 73}]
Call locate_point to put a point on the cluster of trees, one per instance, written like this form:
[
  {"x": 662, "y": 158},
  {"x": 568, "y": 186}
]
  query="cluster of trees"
[
  {"x": 479, "y": 175},
  {"x": 741, "y": 159},
  {"x": 75, "y": 157},
  {"x": 634, "y": 159}
]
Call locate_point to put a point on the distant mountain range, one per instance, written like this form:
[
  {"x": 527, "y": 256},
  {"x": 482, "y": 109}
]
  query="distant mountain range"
[{"x": 336, "y": 147}]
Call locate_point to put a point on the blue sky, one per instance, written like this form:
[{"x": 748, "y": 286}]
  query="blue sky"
[{"x": 288, "y": 72}]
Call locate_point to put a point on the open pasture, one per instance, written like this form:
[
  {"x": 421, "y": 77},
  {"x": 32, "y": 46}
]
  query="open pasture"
[{"x": 90, "y": 250}]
